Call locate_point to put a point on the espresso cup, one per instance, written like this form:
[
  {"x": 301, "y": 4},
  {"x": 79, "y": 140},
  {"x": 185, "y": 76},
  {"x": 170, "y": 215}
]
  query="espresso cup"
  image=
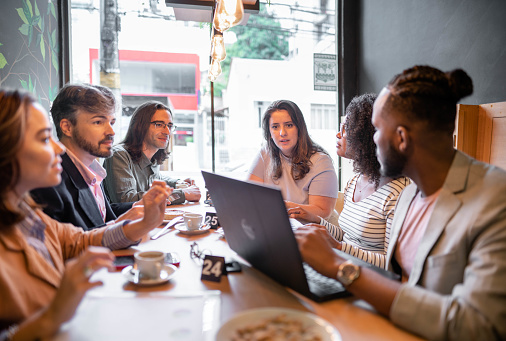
[
  {"x": 193, "y": 221},
  {"x": 149, "y": 263}
]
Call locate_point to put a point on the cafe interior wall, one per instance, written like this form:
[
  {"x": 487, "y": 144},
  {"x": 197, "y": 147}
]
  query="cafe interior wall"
[{"x": 468, "y": 34}]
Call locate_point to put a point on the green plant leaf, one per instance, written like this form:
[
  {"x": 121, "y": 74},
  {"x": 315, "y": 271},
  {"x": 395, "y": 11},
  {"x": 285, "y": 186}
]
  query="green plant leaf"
[
  {"x": 53, "y": 39},
  {"x": 53, "y": 12},
  {"x": 36, "y": 20},
  {"x": 24, "y": 29},
  {"x": 1, "y": 44},
  {"x": 53, "y": 94},
  {"x": 42, "y": 48},
  {"x": 22, "y": 15},
  {"x": 37, "y": 12},
  {"x": 30, "y": 85},
  {"x": 54, "y": 60},
  {"x": 29, "y": 5},
  {"x": 41, "y": 24},
  {"x": 23, "y": 84},
  {"x": 30, "y": 34},
  {"x": 3, "y": 61},
  {"x": 26, "y": 11}
]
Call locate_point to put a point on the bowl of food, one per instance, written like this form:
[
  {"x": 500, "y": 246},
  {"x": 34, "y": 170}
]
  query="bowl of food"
[{"x": 277, "y": 324}]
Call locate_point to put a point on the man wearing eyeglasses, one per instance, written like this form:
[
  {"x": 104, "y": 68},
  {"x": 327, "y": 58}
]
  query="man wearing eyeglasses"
[{"x": 135, "y": 163}]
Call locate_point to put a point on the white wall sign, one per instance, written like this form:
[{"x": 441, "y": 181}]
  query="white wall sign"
[{"x": 325, "y": 72}]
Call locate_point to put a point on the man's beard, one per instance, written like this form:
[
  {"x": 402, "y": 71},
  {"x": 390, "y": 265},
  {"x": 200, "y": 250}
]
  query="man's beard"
[
  {"x": 393, "y": 164},
  {"x": 89, "y": 147}
]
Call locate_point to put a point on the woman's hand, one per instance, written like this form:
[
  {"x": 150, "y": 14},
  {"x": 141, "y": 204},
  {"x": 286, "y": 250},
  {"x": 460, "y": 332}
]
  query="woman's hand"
[
  {"x": 73, "y": 286},
  {"x": 298, "y": 212}
]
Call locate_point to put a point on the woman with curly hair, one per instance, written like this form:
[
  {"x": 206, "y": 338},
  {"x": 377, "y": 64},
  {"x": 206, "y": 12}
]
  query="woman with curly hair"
[
  {"x": 291, "y": 160},
  {"x": 369, "y": 197}
]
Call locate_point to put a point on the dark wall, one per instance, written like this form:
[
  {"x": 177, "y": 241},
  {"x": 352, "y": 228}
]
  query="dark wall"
[{"x": 469, "y": 34}]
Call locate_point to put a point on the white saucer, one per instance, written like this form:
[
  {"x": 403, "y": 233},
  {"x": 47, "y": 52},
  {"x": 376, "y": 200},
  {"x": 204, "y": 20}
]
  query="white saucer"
[
  {"x": 130, "y": 273},
  {"x": 183, "y": 230}
]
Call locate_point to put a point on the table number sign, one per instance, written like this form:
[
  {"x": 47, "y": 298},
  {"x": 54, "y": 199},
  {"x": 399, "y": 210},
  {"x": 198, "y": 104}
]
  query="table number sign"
[
  {"x": 212, "y": 219},
  {"x": 213, "y": 268}
]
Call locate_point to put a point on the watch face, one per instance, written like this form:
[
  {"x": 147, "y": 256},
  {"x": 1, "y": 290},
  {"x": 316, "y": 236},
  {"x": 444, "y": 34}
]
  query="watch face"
[{"x": 348, "y": 272}]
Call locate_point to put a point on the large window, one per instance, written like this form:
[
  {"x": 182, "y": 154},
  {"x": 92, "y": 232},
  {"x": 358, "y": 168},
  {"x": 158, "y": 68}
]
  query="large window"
[{"x": 271, "y": 57}]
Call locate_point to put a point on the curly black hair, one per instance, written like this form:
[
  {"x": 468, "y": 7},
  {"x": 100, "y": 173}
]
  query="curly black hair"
[{"x": 359, "y": 137}]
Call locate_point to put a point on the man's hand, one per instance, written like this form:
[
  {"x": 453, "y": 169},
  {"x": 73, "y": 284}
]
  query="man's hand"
[
  {"x": 189, "y": 181},
  {"x": 154, "y": 202},
  {"x": 192, "y": 193},
  {"x": 316, "y": 250},
  {"x": 136, "y": 212},
  {"x": 323, "y": 230}
]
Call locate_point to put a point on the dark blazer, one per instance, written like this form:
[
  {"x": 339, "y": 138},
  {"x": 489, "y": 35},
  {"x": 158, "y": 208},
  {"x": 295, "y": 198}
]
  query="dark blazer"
[{"x": 73, "y": 202}]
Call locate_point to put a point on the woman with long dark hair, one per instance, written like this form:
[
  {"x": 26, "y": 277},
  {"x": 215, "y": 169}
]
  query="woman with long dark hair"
[{"x": 291, "y": 160}]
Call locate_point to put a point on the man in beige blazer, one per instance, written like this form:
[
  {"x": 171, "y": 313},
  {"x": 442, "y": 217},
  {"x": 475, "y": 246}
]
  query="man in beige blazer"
[{"x": 448, "y": 237}]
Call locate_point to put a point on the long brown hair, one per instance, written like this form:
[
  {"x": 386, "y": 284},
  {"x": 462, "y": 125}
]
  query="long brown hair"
[
  {"x": 14, "y": 106},
  {"x": 304, "y": 149},
  {"x": 138, "y": 129}
]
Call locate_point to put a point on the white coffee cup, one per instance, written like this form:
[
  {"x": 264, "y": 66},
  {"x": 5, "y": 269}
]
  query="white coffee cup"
[
  {"x": 193, "y": 221},
  {"x": 149, "y": 263}
]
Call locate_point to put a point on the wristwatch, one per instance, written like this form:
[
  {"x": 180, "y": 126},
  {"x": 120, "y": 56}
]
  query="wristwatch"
[{"x": 347, "y": 273}]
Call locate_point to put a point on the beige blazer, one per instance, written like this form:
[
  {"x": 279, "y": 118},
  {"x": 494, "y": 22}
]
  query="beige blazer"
[
  {"x": 457, "y": 287},
  {"x": 27, "y": 281}
]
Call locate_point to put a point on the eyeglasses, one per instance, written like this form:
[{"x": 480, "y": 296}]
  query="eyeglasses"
[
  {"x": 197, "y": 255},
  {"x": 160, "y": 125}
]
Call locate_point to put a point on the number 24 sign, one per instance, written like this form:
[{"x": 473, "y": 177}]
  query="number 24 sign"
[{"x": 213, "y": 268}]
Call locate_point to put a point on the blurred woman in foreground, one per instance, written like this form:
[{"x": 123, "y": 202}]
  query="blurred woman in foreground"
[{"x": 38, "y": 292}]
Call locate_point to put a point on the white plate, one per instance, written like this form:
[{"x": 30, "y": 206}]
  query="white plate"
[
  {"x": 249, "y": 317},
  {"x": 182, "y": 229},
  {"x": 130, "y": 273}
]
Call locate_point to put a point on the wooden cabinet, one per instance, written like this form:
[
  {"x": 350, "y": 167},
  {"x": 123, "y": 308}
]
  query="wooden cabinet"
[{"x": 480, "y": 131}]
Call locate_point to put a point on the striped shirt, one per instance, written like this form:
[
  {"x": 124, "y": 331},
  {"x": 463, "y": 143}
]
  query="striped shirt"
[{"x": 364, "y": 226}]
